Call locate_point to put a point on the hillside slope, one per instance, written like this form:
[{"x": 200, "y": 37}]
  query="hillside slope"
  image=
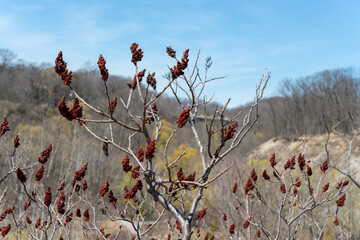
[{"x": 313, "y": 147}]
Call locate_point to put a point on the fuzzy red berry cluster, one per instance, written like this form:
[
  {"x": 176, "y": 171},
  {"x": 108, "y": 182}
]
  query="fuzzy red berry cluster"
[
  {"x": 150, "y": 150},
  {"x": 265, "y": 175},
  {"x": 341, "y": 201},
  {"x": 5, "y": 230},
  {"x": 86, "y": 215},
  {"x": 181, "y": 177},
  {"x": 151, "y": 80},
  {"x": 4, "y": 127},
  {"x": 249, "y": 186},
  {"x": 290, "y": 163},
  {"x": 178, "y": 70},
  {"x": 183, "y": 118},
  {"x": 131, "y": 194},
  {"x": 104, "y": 189},
  {"x": 78, "y": 176},
  {"x": 201, "y": 214},
  {"x": 139, "y": 76},
  {"x": 140, "y": 154},
  {"x": 234, "y": 188},
  {"x": 16, "y": 141},
  {"x": 112, "y": 198},
  {"x": 137, "y": 54},
  {"x": 273, "y": 160},
  {"x": 39, "y": 174},
  {"x": 126, "y": 164},
  {"x": 44, "y": 156},
  {"x": 112, "y": 106},
  {"x": 48, "y": 197},
  {"x": 230, "y": 131},
  {"x": 21, "y": 175},
  {"x": 324, "y": 166},
  {"x": 342, "y": 184},
  {"x": 106, "y": 235},
  {"x": 103, "y": 70},
  {"x": 232, "y": 228},
  {"x": 60, "y": 69},
  {"x": 135, "y": 174},
  {"x": 70, "y": 113},
  {"x": 61, "y": 203},
  {"x": 6, "y": 212}
]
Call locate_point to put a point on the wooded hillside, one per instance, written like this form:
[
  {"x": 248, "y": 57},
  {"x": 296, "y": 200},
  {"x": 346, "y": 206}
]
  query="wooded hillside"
[{"x": 318, "y": 106}]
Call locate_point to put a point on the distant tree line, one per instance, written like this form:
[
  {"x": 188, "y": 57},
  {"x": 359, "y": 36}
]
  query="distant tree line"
[
  {"x": 307, "y": 105},
  {"x": 37, "y": 88},
  {"x": 176, "y": 169},
  {"x": 313, "y": 104}
]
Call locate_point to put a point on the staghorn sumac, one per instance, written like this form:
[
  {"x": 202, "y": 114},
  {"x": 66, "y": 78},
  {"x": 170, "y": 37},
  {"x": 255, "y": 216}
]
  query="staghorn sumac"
[
  {"x": 103, "y": 70},
  {"x": 4, "y": 127},
  {"x": 137, "y": 54},
  {"x": 39, "y": 174},
  {"x": 232, "y": 228},
  {"x": 104, "y": 189},
  {"x": 183, "y": 118},
  {"x": 21, "y": 175},
  {"x": 230, "y": 131},
  {"x": 150, "y": 150},
  {"x": 86, "y": 215},
  {"x": 16, "y": 141},
  {"x": 48, "y": 197},
  {"x": 60, "y": 69},
  {"x": 149, "y": 191},
  {"x": 44, "y": 156},
  {"x": 302, "y": 187}
]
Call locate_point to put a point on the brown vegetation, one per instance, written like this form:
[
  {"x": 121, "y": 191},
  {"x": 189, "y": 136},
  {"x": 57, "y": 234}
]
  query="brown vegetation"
[{"x": 175, "y": 168}]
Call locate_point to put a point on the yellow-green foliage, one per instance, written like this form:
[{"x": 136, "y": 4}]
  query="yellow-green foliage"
[
  {"x": 190, "y": 162},
  {"x": 30, "y": 136},
  {"x": 31, "y": 132},
  {"x": 214, "y": 225},
  {"x": 7, "y": 108},
  {"x": 60, "y": 127},
  {"x": 216, "y": 140},
  {"x": 126, "y": 180},
  {"x": 259, "y": 164},
  {"x": 41, "y": 110},
  {"x": 164, "y": 134},
  {"x": 15, "y": 236},
  {"x": 258, "y": 135}
]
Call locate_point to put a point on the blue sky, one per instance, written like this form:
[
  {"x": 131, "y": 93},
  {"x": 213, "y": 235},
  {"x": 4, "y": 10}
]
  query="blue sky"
[{"x": 290, "y": 38}]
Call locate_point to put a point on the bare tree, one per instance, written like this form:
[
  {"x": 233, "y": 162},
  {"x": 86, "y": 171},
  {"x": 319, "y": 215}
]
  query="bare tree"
[
  {"x": 6, "y": 57},
  {"x": 325, "y": 98},
  {"x": 158, "y": 191}
]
